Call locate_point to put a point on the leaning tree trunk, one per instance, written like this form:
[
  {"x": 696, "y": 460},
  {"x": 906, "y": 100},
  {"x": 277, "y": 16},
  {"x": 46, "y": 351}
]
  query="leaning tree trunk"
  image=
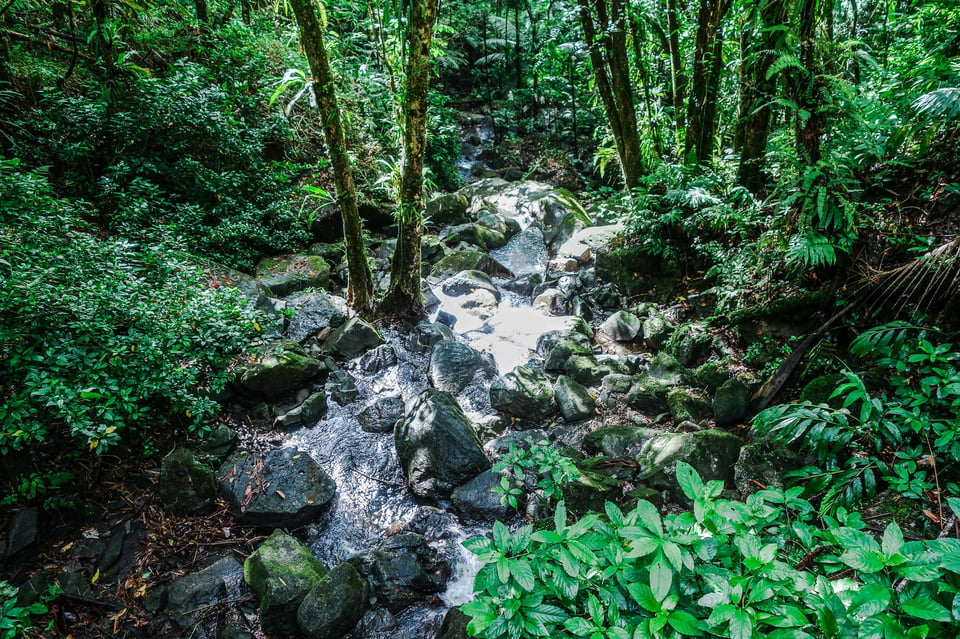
[
  {"x": 608, "y": 57},
  {"x": 360, "y": 281},
  {"x": 404, "y": 297},
  {"x": 701, "y": 105}
]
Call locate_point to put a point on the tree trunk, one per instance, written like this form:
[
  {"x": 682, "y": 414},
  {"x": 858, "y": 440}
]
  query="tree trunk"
[
  {"x": 809, "y": 129},
  {"x": 203, "y": 16},
  {"x": 678, "y": 81},
  {"x": 701, "y": 105},
  {"x": 360, "y": 281},
  {"x": 637, "y": 34},
  {"x": 608, "y": 56},
  {"x": 404, "y": 297}
]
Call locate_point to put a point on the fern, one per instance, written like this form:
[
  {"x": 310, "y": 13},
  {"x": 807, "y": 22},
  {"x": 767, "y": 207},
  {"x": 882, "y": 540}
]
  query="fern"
[
  {"x": 811, "y": 251},
  {"x": 787, "y": 61},
  {"x": 822, "y": 430},
  {"x": 886, "y": 343}
]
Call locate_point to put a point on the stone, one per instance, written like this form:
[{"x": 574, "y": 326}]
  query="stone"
[
  {"x": 343, "y": 387},
  {"x": 763, "y": 463},
  {"x": 553, "y": 302},
  {"x": 478, "y": 235},
  {"x": 353, "y": 338},
  {"x": 475, "y": 500},
  {"x": 523, "y": 285},
  {"x": 469, "y": 282},
  {"x": 306, "y": 414},
  {"x": 219, "y": 442},
  {"x": 585, "y": 369},
  {"x": 453, "y": 365},
  {"x": 712, "y": 453},
  {"x": 21, "y": 531},
  {"x": 688, "y": 404},
  {"x": 282, "y": 488},
  {"x": 280, "y": 573},
  {"x": 633, "y": 269},
  {"x": 186, "y": 486},
  {"x": 731, "y": 402},
  {"x": 310, "y": 315},
  {"x": 617, "y": 383},
  {"x": 402, "y": 571},
  {"x": 278, "y": 368},
  {"x": 335, "y": 604},
  {"x": 506, "y": 226},
  {"x": 437, "y": 446},
  {"x": 574, "y": 401},
  {"x": 820, "y": 389},
  {"x": 447, "y": 209},
  {"x": 454, "y": 625},
  {"x": 381, "y": 415},
  {"x": 656, "y": 331},
  {"x": 618, "y": 440},
  {"x": 622, "y": 326},
  {"x": 523, "y": 393},
  {"x": 291, "y": 273},
  {"x": 425, "y": 335},
  {"x": 690, "y": 345},
  {"x": 432, "y": 250},
  {"x": 468, "y": 261},
  {"x": 712, "y": 374},
  {"x": 647, "y": 395},
  {"x": 378, "y": 359},
  {"x": 556, "y": 347},
  {"x": 189, "y": 596},
  {"x": 666, "y": 370}
]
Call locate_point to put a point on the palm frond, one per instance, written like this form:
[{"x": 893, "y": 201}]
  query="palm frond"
[
  {"x": 941, "y": 104},
  {"x": 927, "y": 280}
]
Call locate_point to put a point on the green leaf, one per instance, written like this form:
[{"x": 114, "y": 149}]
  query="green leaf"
[
  {"x": 501, "y": 537},
  {"x": 924, "y": 608},
  {"x": 661, "y": 579},
  {"x": 643, "y": 595},
  {"x": 503, "y": 570},
  {"x": 684, "y": 623},
  {"x": 892, "y": 539},
  {"x": 741, "y": 626},
  {"x": 871, "y": 600},
  {"x": 649, "y": 516},
  {"x": 690, "y": 481},
  {"x": 523, "y": 574}
]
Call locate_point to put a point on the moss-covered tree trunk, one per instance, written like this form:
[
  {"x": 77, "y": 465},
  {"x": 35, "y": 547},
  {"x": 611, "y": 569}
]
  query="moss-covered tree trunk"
[
  {"x": 605, "y": 34},
  {"x": 704, "y": 83},
  {"x": 404, "y": 297},
  {"x": 360, "y": 282}
]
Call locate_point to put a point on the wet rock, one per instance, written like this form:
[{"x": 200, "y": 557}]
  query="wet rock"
[
  {"x": 476, "y": 501},
  {"x": 278, "y": 368},
  {"x": 426, "y": 334},
  {"x": 291, "y": 273},
  {"x": 712, "y": 453},
  {"x": 647, "y": 395},
  {"x": 404, "y": 570},
  {"x": 506, "y": 226},
  {"x": 666, "y": 370},
  {"x": 553, "y": 302},
  {"x": 687, "y": 404},
  {"x": 437, "y": 446},
  {"x": 583, "y": 244},
  {"x": 189, "y": 597},
  {"x": 448, "y": 209},
  {"x": 656, "y": 331},
  {"x": 469, "y": 282},
  {"x": 353, "y": 338},
  {"x": 281, "y": 572},
  {"x": 381, "y": 415},
  {"x": 454, "y": 625},
  {"x": 453, "y": 365},
  {"x": 282, "y": 488},
  {"x": 690, "y": 345},
  {"x": 585, "y": 369},
  {"x": 618, "y": 440},
  {"x": 763, "y": 463},
  {"x": 524, "y": 284},
  {"x": 622, "y": 327},
  {"x": 21, "y": 531},
  {"x": 556, "y": 347},
  {"x": 335, "y": 604},
  {"x": 731, "y": 402},
  {"x": 309, "y": 315},
  {"x": 524, "y": 393},
  {"x": 574, "y": 401},
  {"x": 306, "y": 414},
  {"x": 219, "y": 442},
  {"x": 186, "y": 486},
  {"x": 468, "y": 261},
  {"x": 343, "y": 387},
  {"x": 474, "y": 234},
  {"x": 380, "y": 358},
  {"x": 712, "y": 374}
]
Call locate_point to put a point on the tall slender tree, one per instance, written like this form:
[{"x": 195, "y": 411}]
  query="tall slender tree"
[
  {"x": 404, "y": 297},
  {"x": 359, "y": 280},
  {"x": 705, "y": 82}
]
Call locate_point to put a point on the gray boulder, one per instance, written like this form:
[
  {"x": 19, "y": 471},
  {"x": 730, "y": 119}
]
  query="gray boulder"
[
  {"x": 437, "y": 446},
  {"x": 476, "y": 501},
  {"x": 353, "y": 338},
  {"x": 524, "y": 393},
  {"x": 666, "y": 370},
  {"x": 585, "y": 368},
  {"x": 688, "y": 404},
  {"x": 453, "y": 365},
  {"x": 291, "y": 273},
  {"x": 312, "y": 314},
  {"x": 278, "y": 368},
  {"x": 477, "y": 235},
  {"x": 469, "y": 282},
  {"x": 188, "y": 596},
  {"x": 307, "y": 413},
  {"x": 468, "y": 261},
  {"x": 556, "y": 347},
  {"x": 380, "y": 358},
  {"x": 335, "y": 604},
  {"x": 731, "y": 402},
  {"x": 381, "y": 415},
  {"x": 712, "y": 453},
  {"x": 575, "y": 402},
  {"x": 404, "y": 570},
  {"x": 448, "y": 209},
  {"x": 622, "y": 327},
  {"x": 649, "y": 396},
  {"x": 690, "y": 344},
  {"x": 763, "y": 463},
  {"x": 454, "y": 625},
  {"x": 426, "y": 334},
  {"x": 280, "y": 573},
  {"x": 282, "y": 488},
  {"x": 656, "y": 331},
  {"x": 186, "y": 486},
  {"x": 618, "y": 440},
  {"x": 553, "y": 302}
]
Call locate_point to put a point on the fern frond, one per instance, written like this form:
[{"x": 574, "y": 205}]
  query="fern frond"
[
  {"x": 941, "y": 104},
  {"x": 782, "y": 63},
  {"x": 811, "y": 250}
]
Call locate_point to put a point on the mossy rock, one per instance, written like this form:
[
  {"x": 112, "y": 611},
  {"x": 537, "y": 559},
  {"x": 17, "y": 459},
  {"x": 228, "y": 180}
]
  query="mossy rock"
[
  {"x": 278, "y": 368},
  {"x": 690, "y": 344},
  {"x": 712, "y": 453},
  {"x": 819, "y": 389},
  {"x": 468, "y": 261},
  {"x": 688, "y": 404},
  {"x": 665, "y": 369},
  {"x": 288, "y": 274},
  {"x": 618, "y": 440},
  {"x": 711, "y": 375},
  {"x": 335, "y": 604},
  {"x": 648, "y": 395},
  {"x": 731, "y": 403},
  {"x": 633, "y": 270}
]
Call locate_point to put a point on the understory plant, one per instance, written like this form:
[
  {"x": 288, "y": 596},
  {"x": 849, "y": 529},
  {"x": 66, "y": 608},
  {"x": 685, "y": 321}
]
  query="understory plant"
[
  {"x": 894, "y": 424},
  {"x": 769, "y": 567}
]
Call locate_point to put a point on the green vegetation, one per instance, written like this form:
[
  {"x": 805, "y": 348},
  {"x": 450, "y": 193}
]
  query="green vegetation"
[{"x": 15, "y": 619}]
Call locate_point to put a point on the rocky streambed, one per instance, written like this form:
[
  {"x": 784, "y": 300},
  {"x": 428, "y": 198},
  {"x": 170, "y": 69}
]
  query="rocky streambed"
[{"x": 367, "y": 457}]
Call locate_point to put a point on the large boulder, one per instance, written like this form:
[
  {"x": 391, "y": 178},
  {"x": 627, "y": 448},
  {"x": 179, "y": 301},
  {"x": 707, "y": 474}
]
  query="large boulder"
[
  {"x": 352, "y": 338},
  {"x": 281, "y": 488},
  {"x": 468, "y": 283},
  {"x": 453, "y": 365},
  {"x": 437, "y": 446},
  {"x": 712, "y": 453},
  {"x": 426, "y": 334},
  {"x": 312, "y": 315},
  {"x": 622, "y": 326},
  {"x": 476, "y": 501},
  {"x": 288, "y": 274},
  {"x": 187, "y": 487},
  {"x": 524, "y": 393},
  {"x": 468, "y": 261},
  {"x": 381, "y": 415},
  {"x": 688, "y": 404},
  {"x": 306, "y": 413},
  {"x": 731, "y": 403},
  {"x": 618, "y": 440},
  {"x": 335, "y": 604},
  {"x": 448, "y": 209},
  {"x": 404, "y": 570},
  {"x": 278, "y": 368},
  {"x": 280, "y": 573},
  {"x": 188, "y": 596},
  {"x": 556, "y": 347},
  {"x": 477, "y": 235},
  {"x": 575, "y": 401}
]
